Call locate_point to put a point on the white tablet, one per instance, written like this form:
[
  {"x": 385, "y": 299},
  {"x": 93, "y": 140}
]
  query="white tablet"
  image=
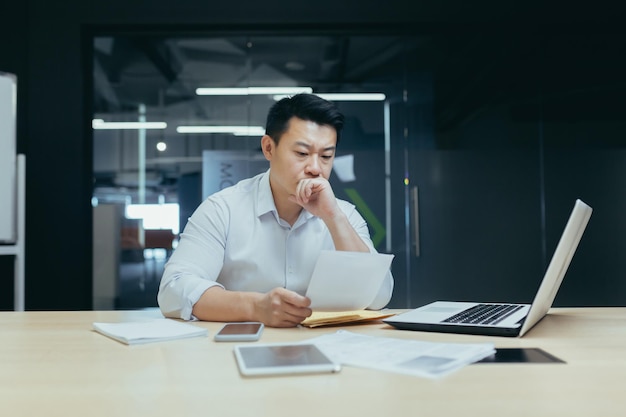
[{"x": 282, "y": 358}]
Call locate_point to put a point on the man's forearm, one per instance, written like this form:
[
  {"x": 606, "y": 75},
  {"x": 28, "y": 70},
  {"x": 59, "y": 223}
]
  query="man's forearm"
[
  {"x": 344, "y": 236},
  {"x": 218, "y": 304}
]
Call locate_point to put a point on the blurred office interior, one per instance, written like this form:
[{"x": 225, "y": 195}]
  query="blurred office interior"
[{"x": 485, "y": 124}]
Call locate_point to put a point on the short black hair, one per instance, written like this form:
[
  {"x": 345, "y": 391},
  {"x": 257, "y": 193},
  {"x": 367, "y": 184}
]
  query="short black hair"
[{"x": 306, "y": 107}]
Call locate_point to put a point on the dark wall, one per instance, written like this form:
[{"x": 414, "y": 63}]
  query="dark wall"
[
  {"x": 13, "y": 59},
  {"x": 43, "y": 43}
]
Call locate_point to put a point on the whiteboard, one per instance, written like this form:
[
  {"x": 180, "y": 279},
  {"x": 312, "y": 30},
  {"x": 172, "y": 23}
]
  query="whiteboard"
[{"x": 8, "y": 174}]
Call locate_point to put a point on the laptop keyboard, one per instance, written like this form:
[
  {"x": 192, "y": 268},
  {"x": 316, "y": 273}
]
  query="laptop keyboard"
[{"x": 484, "y": 314}]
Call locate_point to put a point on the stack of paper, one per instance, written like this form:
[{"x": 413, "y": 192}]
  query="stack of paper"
[
  {"x": 321, "y": 318},
  {"x": 157, "y": 330},
  {"x": 412, "y": 357}
]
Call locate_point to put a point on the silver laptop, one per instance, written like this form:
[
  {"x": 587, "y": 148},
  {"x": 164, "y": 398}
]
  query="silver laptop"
[{"x": 499, "y": 319}]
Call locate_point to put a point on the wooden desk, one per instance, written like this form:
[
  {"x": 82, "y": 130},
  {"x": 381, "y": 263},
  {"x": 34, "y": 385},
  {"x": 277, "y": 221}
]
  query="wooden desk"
[{"x": 53, "y": 364}]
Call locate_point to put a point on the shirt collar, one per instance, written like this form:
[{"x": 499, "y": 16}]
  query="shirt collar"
[
  {"x": 266, "y": 204},
  {"x": 265, "y": 199}
]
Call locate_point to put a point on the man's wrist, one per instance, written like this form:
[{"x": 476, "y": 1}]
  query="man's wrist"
[{"x": 250, "y": 303}]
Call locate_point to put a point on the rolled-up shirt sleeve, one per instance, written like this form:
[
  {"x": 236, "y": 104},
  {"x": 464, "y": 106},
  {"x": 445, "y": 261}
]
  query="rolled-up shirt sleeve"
[{"x": 196, "y": 262}]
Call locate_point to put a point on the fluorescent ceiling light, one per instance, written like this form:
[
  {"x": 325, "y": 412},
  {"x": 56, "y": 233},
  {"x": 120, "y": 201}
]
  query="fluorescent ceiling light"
[
  {"x": 101, "y": 124},
  {"x": 352, "y": 96},
  {"x": 344, "y": 96},
  {"x": 247, "y": 91},
  {"x": 235, "y": 130},
  {"x": 256, "y": 131}
]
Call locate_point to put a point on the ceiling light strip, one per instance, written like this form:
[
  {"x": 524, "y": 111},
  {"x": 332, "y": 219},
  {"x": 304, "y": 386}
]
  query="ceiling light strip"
[
  {"x": 235, "y": 130},
  {"x": 343, "y": 96},
  {"x": 248, "y": 91},
  {"x": 352, "y": 96},
  {"x": 101, "y": 124}
]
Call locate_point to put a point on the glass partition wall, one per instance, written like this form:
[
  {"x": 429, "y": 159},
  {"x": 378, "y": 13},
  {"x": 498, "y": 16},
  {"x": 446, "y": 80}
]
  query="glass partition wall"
[
  {"x": 465, "y": 163},
  {"x": 178, "y": 118}
]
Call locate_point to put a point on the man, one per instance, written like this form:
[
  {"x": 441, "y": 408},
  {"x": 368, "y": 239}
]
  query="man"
[{"x": 248, "y": 251}]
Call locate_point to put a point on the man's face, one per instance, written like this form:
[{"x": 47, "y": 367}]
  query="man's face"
[{"x": 305, "y": 150}]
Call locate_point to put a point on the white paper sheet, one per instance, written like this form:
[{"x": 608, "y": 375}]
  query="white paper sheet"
[
  {"x": 347, "y": 280},
  {"x": 344, "y": 168},
  {"x": 411, "y": 357}
]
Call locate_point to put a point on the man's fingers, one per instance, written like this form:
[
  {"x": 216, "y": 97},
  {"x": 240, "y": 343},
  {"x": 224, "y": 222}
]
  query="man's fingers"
[
  {"x": 289, "y": 317},
  {"x": 303, "y": 191},
  {"x": 288, "y": 308},
  {"x": 294, "y": 298}
]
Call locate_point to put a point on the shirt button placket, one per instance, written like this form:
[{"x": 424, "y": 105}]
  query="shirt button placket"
[{"x": 288, "y": 268}]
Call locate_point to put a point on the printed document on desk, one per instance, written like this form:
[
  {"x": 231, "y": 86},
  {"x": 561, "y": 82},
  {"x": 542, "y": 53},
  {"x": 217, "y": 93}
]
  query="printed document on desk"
[
  {"x": 411, "y": 357},
  {"x": 345, "y": 281}
]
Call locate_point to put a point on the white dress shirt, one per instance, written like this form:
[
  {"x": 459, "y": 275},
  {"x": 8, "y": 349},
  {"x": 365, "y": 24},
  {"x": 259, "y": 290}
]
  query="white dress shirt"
[{"x": 236, "y": 240}]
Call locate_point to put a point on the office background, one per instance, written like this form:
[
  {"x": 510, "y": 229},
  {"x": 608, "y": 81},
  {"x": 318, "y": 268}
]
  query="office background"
[{"x": 522, "y": 113}]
